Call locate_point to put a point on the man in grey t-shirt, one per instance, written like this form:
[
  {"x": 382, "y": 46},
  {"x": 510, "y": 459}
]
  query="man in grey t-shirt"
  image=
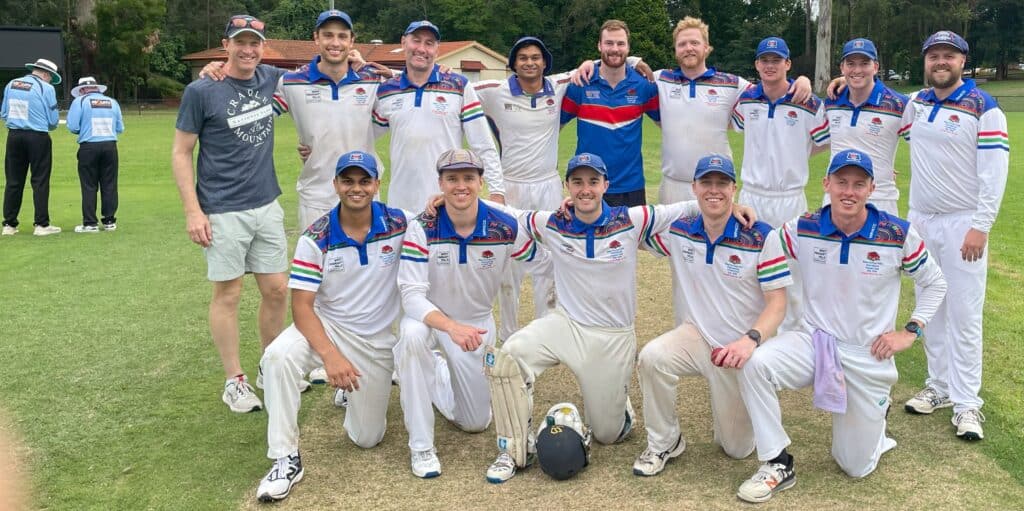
[{"x": 230, "y": 202}]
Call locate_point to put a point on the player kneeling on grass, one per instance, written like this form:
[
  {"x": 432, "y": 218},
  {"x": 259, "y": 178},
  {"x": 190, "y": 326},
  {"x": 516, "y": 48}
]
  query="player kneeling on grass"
[
  {"x": 344, "y": 301},
  {"x": 594, "y": 254},
  {"x": 453, "y": 261},
  {"x": 851, "y": 256},
  {"x": 737, "y": 277}
]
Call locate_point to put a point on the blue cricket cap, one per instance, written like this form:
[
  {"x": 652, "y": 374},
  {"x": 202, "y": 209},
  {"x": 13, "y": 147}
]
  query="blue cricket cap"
[
  {"x": 774, "y": 45},
  {"x": 525, "y": 41},
  {"x": 860, "y": 46},
  {"x": 945, "y": 37},
  {"x": 416, "y": 25},
  {"x": 851, "y": 157},
  {"x": 588, "y": 160},
  {"x": 715, "y": 163},
  {"x": 333, "y": 14},
  {"x": 359, "y": 159}
]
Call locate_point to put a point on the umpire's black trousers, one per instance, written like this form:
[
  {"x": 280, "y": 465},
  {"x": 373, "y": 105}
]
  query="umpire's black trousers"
[
  {"x": 97, "y": 170},
  {"x": 27, "y": 148}
]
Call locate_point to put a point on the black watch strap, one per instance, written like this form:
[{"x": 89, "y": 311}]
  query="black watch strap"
[
  {"x": 914, "y": 328},
  {"x": 754, "y": 336}
]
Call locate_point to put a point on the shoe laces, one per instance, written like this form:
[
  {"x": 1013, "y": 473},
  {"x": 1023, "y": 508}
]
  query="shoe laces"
[
  {"x": 242, "y": 387},
  {"x": 769, "y": 471},
  {"x": 971, "y": 416},
  {"x": 504, "y": 460},
  {"x": 422, "y": 456},
  {"x": 283, "y": 468},
  {"x": 928, "y": 394}
]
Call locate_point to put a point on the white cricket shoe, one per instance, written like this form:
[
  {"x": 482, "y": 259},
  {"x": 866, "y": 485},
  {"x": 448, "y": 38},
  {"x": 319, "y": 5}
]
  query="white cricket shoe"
[
  {"x": 285, "y": 473},
  {"x": 240, "y": 396},
  {"x": 770, "y": 479},
  {"x": 503, "y": 468},
  {"x": 45, "y": 230},
  {"x": 9, "y": 230},
  {"x": 968, "y": 424},
  {"x": 86, "y": 229},
  {"x": 425, "y": 464},
  {"x": 927, "y": 401},
  {"x": 318, "y": 376},
  {"x": 651, "y": 463},
  {"x": 110, "y": 227},
  {"x": 340, "y": 398}
]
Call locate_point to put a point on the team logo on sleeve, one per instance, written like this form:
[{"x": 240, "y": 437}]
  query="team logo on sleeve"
[
  {"x": 792, "y": 118},
  {"x": 388, "y": 256},
  {"x": 486, "y": 260}
]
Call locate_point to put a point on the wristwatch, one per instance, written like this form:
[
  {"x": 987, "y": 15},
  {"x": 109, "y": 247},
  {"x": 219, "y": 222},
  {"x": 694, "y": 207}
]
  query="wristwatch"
[
  {"x": 914, "y": 328},
  {"x": 755, "y": 336}
]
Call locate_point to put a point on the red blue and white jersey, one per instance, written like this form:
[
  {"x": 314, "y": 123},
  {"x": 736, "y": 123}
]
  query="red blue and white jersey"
[
  {"x": 851, "y": 284},
  {"x": 355, "y": 283},
  {"x": 727, "y": 277},
  {"x": 525, "y": 125},
  {"x": 332, "y": 118},
  {"x": 959, "y": 154},
  {"x": 695, "y": 117},
  {"x": 610, "y": 124},
  {"x": 425, "y": 122},
  {"x": 595, "y": 264},
  {"x": 460, "y": 276},
  {"x": 874, "y": 127},
  {"x": 777, "y": 139}
]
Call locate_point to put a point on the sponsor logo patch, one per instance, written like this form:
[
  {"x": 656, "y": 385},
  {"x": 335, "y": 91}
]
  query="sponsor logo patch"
[{"x": 20, "y": 85}]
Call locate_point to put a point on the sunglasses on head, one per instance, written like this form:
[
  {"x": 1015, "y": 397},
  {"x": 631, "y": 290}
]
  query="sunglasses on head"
[{"x": 247, "y": 21}]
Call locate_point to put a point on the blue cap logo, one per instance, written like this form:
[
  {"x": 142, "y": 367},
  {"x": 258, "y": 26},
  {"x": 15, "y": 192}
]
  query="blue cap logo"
[
  {"x": 851, "y": 157},
  {"x": 358, "y": 159},
  {"x": 772, "y": 43},
  {"x": 716, "y": 161}
]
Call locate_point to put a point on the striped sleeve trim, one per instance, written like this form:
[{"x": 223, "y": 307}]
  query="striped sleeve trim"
[
  {"x": 379, "y": 120},
  {"x": 821, "y": 133},
  {"x": 414, "y": 252},
  {"x": 787, "y": 243},
  {"x": 737, "y": 119},
  {"x": 772, "y": 270},
  {"x": 657, "y": 245},
  {"x": 904, "y": 132},
  {"x": 306, "y": 272},
  {"x": 526, "y": 253},
  {"x": 472, "y": 111},
  {"x": 914, "y": 261},
  {"x": 280, "y": 105},
  {"x": 994, "y": 140}
]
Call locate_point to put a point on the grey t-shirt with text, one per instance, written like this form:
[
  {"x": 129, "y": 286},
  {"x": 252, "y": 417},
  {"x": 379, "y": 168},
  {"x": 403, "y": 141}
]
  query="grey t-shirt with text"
[{"x": 235, "y": 123}]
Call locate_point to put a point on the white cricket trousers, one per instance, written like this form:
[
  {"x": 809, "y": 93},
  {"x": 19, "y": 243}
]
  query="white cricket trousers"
[
  {"x": 672, "y": 190},
  {"x": 777, "y": 208},
  {"x": 462, "y": 396},
  {"x": 309, "y": 213},
  {"x": 953, "y": 338},
  {"x": 787, "y": 362},
  {"x": 602, "y": 358},
  {"x": 889, "y": 206},
  {"x": 544, "y": 195},
  {"x": 684, "y": 352},
  {"x": 290, "y": 357}
]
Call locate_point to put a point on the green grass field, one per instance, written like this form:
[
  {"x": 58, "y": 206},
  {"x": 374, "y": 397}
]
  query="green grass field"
[{"x": 111, "y": 381}]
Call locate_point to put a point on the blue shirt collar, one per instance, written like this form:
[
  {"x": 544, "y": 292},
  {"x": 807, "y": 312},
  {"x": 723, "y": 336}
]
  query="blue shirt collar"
[
  {"x": 316, "y": 75},
  {"x": 706, "y": 74},
  {"x": 875, "y": 98},
  {"x": 957, "y": 95},
  {"x": 517, "y": 90},
  {"x": 435, "y": 76},
  {"x": 376, "y": 225},
  {"x": 447, "y": 229},
  {"x": 578, "y": 225},
  {"x": 731, "y": 231},
  {"x": 869, "y": 231},
  {"x": 759, "y": 92}
]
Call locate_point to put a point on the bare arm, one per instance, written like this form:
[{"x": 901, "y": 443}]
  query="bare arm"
[{"x": 196, "y": 222}]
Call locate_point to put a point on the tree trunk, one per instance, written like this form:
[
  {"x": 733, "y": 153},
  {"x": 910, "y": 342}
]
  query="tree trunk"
[
  {"x": 807, "y": 28},
  {"x": 822, "y": 71}
]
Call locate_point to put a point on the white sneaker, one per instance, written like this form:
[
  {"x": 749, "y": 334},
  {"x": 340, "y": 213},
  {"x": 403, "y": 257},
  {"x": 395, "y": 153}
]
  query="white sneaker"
[
  {"x": 318, "y": 376},
  {"x": 285, "y": 473},
  {"x": 651, "y": 463},
  {"x": 9, "y": 230},
  {"x": 968, "y": 424},
  {"x": 503, "y": 468},
  {"x": 110, "y": 227},
  {"x": 770, "y": 479},
  {"x": 425, "y": 464},
  {"x": 86, "y": 228},
  {"x": 46, "y": 230},
  {"x": 340, "y": 398},
  {"x": 303, "y": 384},
  {"x": 927, "y": 401},
  {"x": 239, "y": 395}
]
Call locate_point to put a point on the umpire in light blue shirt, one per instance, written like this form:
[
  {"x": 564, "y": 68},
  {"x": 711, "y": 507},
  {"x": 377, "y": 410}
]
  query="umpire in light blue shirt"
[
  {"x": 30, "y": 111},
  {"x": 97, "y": 121}
]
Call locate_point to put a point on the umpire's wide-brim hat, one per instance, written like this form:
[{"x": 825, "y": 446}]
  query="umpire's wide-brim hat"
[
  {"x": 86, "y": 85},
  {"x": 48, "y": 66}
]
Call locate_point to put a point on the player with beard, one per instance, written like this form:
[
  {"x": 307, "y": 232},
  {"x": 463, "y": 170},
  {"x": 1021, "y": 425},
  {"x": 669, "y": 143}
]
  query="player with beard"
[{"x": 959, "y": 160}]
